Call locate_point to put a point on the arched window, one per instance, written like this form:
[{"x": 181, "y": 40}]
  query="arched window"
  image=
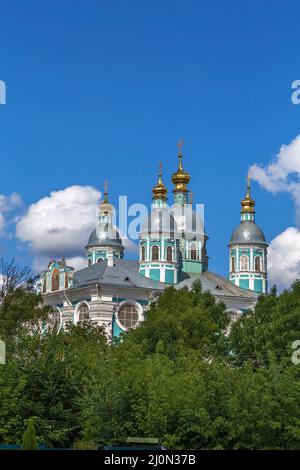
[
  {"x": 83, "y": 313},
  {"x": 169, "y": 253},
  {"x": 193, "y": 251},
  {"x": 55, "y": 280},
  {"x": 155, "y": 253},
  {"x": 89, "y": 262},
  {"x": 232, "y": 264},
  {"x": 99, "y": 260},
  {"x": 143, "y": 253},
  {"x": 56, "y": 320},
  {"x": 66, "y": 280},
  {"x": 257, "y": 263},
  {"x": 244, "y": 263},
  {"x": 128, "y": 316},
  {"x": 44, "y": 285}
]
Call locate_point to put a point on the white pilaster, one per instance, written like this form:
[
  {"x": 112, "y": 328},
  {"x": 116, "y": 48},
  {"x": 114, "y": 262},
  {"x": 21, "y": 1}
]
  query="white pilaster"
[
  {"x": 251, "y": 259},
  {"x": 162, "y": 255}
]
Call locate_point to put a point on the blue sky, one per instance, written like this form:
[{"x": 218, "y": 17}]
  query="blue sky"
[{"x": 104, "y": 89}]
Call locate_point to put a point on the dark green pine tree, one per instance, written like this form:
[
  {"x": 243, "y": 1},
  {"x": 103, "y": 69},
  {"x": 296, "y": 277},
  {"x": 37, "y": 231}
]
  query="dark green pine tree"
[{"x": 29, "y": 441}]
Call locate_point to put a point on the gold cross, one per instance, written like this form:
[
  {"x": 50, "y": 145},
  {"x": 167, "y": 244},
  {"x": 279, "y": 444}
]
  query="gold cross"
[
  {"x": 248, "y": 180},
  {"x": 105, "y": 191},
  {"x": 248, "y": 185},
  {"x": 179, "y": 145},
  {"x": 160, "y": 168}
]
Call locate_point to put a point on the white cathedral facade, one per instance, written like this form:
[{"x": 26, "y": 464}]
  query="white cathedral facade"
[{"x": 115, "y": 293}]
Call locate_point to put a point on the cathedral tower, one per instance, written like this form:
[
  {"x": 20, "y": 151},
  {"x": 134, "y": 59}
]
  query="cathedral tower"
[
  {"x": 159, "y": 240},
  {"x": 248, "y": 250},
  {"x": 104, "y": 241},
  {"x": 193, "y": 256}
]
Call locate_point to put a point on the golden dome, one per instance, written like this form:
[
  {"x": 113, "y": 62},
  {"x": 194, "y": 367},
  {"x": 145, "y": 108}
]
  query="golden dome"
[
  {"x": 181, "y": 178},
  {"x": 248, "y": 203},
  {"x": 159, "y": 191}
]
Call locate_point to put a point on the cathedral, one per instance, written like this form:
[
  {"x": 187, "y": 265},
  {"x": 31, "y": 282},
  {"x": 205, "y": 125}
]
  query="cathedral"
[{"x": 115, "y": 293}]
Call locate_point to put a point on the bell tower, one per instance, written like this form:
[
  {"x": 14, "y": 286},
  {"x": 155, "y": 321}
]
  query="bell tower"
[
  {"x": 193, "y": 255},
  {"x": 248, "y": 250},
  {"x": 159, "y": 239},
  {"x": 104, "y": 241}
]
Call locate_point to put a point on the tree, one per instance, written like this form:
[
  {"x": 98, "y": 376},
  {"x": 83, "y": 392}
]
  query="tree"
[
  {"x": 45, "y": 371},
  {"x": 265, "y": 335},
  {"x": 29, "y": 441},
  {"x": 152, "y": 383},
  {"x": 177, "y": 377},
  {"x": 180, "y": 320},
  {"x": 19, "y": 304},
  {"x": 12, "y": 277}
]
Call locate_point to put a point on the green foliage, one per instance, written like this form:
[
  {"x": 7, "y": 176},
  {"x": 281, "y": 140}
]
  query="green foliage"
[
  {"x": 19, "y": 307},
  {"x": 179, "y": 376},
  {"x": 45, "y": 374},
  {"x": 29, "y": 441},
  {"x": 265, "y": 336},
  {"x": 182, "y": 320}
]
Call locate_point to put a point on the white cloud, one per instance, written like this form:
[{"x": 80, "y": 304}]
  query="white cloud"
[
  {"x": 8, "y": 204},
  {"x": 283, "y": 174},
  {"x": 60, "y": 224},
  {"x": 2, "y": 223},
  {"x": 284, "y": 258},
  {"x": 41, "y": 262},
  {"x": 128, "y": 244},
  {"x": 77, "y": 262}
]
